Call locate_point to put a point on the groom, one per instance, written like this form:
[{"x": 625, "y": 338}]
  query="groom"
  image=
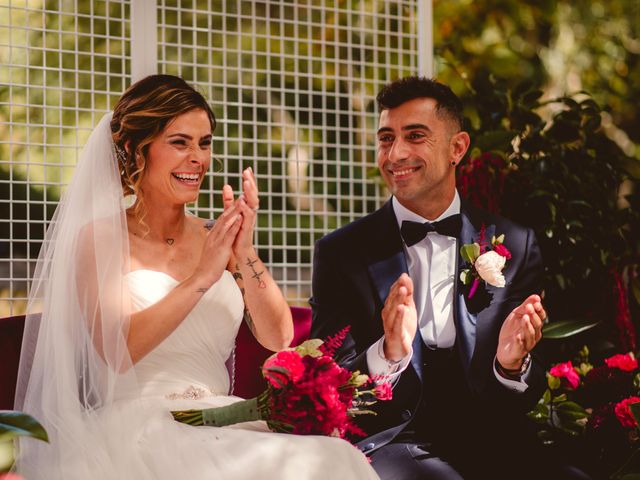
[{"x": 459, "y": 361}]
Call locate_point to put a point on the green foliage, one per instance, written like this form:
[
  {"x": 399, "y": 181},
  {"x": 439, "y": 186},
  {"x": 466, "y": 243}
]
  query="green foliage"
[
  {"x": 564, "y": 178},
  {"x": 16, "y": 424}
]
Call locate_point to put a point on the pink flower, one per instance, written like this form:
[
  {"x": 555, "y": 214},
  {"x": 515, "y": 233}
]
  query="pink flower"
[
  {"x": 623, "y": 412},
  {"x": 284, "y": 367},
  {"x": 383, "y": 391},
  {"x": 10, "y": 476},
  {"x": 624, "y": 362},
  {"x": 567, "y": 373},
  {"x": 502, "y": 251}
]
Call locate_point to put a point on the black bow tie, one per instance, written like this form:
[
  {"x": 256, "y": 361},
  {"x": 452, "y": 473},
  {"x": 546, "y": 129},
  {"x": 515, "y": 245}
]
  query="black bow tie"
[{"x": 413, "y": 232}]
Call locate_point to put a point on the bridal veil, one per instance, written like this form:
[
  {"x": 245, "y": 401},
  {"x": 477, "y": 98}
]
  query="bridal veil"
[{"x": 75, "y": 363}]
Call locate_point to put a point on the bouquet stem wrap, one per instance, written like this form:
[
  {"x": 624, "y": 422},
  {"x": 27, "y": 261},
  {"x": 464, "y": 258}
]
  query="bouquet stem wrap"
[{"x": 243, "y": 411}]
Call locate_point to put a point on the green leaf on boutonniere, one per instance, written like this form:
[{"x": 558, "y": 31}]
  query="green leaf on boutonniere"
[
  {"x": 470, "y": 252},
  {"x": 546, "y": 398},
  {"x": 465, "y": 277},
  {"x": 497, "y": 240}
]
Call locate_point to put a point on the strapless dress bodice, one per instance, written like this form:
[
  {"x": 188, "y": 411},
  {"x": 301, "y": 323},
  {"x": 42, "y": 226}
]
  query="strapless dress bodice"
[{"x": 193, "y": 356}]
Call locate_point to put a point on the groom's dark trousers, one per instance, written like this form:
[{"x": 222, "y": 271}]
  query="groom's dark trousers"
[{"x": 449, "y": 417}]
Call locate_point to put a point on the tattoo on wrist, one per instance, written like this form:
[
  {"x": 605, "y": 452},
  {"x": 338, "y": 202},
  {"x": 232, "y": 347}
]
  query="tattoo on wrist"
[
  {"x": 202, "y": 290},
  {"x": 257, "y": 275}
]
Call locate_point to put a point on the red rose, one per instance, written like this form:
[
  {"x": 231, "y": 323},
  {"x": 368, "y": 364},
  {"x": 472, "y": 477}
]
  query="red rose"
[
  {"x": 567, "y": 374},
  {"x": 502, "y": 251},
  {"x": 623, "y": 412},
  {"x": 624, "y": 362}
]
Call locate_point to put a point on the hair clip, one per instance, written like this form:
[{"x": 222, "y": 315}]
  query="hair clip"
[{"x": 121, "y": 155}]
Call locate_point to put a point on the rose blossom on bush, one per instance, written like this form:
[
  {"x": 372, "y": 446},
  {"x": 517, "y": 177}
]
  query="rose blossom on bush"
[
  {"x": 625, "y": 362},
  {"x": 489, "y": 266},
  {"x": 567, "y": 373},
  {"x": 623, "y": 412}
]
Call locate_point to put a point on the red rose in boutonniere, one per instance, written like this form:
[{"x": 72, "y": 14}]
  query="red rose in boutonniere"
[{"x": 487, "y": 262}]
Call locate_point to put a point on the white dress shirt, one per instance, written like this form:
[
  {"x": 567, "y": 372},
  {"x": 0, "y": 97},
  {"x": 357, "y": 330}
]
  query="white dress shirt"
[{"x": 432, "y": 264}]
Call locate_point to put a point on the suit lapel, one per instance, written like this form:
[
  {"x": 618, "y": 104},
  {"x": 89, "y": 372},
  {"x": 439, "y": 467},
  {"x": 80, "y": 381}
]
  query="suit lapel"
[
  {"x": 387, "y": 262},
  {"x": 469, "y": 330}
]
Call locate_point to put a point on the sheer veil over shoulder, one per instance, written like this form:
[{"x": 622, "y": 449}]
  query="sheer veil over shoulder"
[
  {"x": 74, "y": 359},
  {"x": 109, "y": 418}
]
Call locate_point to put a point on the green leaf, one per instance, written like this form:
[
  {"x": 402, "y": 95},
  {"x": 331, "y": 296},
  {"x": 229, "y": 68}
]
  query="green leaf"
[
  {"x": 566, "y": 328},
  {"x": 553, "y": 382},
  {"x": 310, "y": 347},
  {"x": 18, "y": 424},
  {"x": 635, "y": 411},
  {"x": 494, "y": 140},
  {"x": 466, "y": 277},
  {"x": 560, "y": 399},
  {"x": 630, "y": 468},
  {"x": 546, "y": 398},
  {"x": 470, "y": 252},
  {"x": 635, "y": 288}
]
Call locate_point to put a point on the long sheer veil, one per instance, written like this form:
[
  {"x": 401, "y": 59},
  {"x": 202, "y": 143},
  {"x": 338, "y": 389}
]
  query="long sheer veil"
[{"x": 74, "y": 362}]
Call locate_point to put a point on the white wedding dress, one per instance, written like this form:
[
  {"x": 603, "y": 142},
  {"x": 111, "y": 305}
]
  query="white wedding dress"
[{"x": 187, "y": 370}]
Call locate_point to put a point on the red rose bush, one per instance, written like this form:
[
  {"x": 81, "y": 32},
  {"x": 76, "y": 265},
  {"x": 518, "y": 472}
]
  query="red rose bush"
[
  {"x": 307, "y": 393},
  {"x": 599, "y": 406}
]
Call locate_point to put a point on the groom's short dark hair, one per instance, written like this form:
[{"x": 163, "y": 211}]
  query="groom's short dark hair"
[{"x": 404, "y": 89}]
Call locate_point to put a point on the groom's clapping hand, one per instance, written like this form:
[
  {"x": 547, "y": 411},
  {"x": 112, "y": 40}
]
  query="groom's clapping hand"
[
  {"x": 520, "y": 332},
  {"x": 399, "y": 319}
]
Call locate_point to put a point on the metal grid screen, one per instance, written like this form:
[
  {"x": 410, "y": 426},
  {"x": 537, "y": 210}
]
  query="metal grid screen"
[
  {"x": 292, "y": 85},
  {"x": 62, "y": 66}
]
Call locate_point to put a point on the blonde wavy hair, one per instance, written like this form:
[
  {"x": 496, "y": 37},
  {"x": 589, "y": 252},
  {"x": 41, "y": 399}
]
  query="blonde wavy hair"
[{"x": 140, "y": 115}]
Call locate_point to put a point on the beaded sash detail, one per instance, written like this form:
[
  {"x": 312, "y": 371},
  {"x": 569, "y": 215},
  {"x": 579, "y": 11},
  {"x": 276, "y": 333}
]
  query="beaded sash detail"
[{"x": 191, "y": 393}]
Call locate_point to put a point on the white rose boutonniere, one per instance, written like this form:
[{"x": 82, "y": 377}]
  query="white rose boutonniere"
[{"x": 486, "y": 264}]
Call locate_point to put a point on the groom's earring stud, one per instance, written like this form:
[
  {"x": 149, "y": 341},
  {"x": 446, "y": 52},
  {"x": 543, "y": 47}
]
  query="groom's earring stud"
[{"x": 453, "y": 163}]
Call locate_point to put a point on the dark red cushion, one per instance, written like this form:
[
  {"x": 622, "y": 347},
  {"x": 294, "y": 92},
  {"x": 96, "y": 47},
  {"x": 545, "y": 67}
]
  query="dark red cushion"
[
  {"x": 10, "y": 342},
  {"x": 250, "y": 355}
]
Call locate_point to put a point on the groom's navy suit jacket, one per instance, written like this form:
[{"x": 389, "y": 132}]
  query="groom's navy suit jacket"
[{"x": 354, "y": 268}]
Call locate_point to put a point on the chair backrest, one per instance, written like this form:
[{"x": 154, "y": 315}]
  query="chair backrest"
[
  {"x": 11, "y": 329},
  {"x": 248, "y": 359},
  {"x": 250, "y": 355}
]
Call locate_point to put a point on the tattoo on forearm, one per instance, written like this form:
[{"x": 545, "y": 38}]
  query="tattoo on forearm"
[
  {"x": 247, "y": 316},
  {"x": 257, "y": 275}
]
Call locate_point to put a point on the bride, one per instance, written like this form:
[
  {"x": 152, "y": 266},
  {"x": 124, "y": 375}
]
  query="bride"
[{"x": 140, "y": 307}]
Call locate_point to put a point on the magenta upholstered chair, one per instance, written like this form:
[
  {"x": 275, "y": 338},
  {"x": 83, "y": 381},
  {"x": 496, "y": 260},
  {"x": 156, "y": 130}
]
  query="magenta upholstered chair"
[
  {"x": 10, "y": 342},
  {"x": 249, "y": 356}
]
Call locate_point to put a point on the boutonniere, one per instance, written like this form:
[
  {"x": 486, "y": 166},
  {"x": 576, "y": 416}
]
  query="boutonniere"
[{"x": 487, "y": 262}]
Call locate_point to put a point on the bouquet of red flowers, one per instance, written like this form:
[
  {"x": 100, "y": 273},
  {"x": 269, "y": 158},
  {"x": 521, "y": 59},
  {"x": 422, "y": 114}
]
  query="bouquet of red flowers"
[{"x": 307, "y": 393}]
